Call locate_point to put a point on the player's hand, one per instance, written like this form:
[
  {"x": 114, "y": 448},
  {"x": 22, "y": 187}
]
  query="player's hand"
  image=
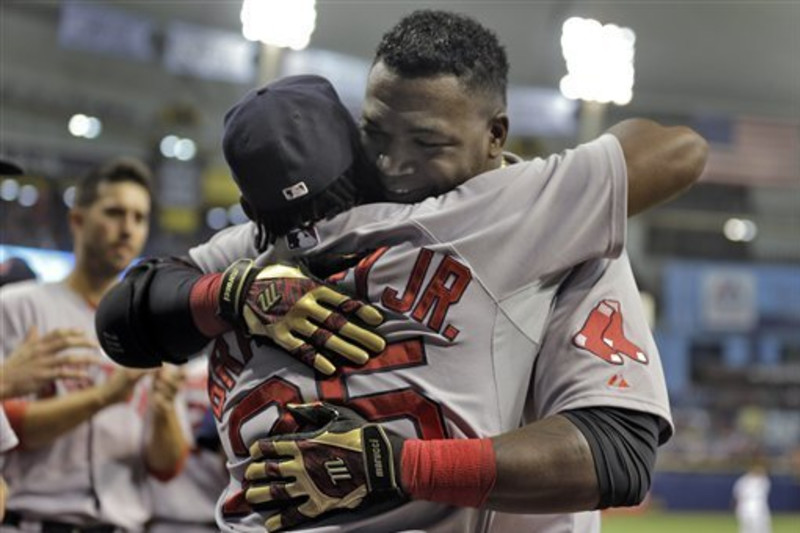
[
  {"x": 120, "y": 385},
  {"x": 167, "y": 381},
  {"x": 302, "y": 316},
  {"x": 345, "y": 463},
  {"x": 37, "y": 361}
]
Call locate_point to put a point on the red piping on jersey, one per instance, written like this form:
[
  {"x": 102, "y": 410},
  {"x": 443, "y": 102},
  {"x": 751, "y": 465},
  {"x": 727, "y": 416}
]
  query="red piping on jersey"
[
  {"x": 15, "y": 412},
  {"x": 204, "y": 304},
  {"x": 460, "y": 472}
]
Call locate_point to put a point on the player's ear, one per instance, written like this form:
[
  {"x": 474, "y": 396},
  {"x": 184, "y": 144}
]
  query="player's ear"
[
  {"x": 498, "y": 134},
  {"x": 247, "y": 208},
  {"x": 76, "y": 218}
]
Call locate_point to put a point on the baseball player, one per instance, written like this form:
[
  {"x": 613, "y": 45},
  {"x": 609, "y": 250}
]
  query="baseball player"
[
  {"x": 468, "y": 324},
  {"x": 185, "y": 503},
  {"x": 86, "y": 445},
  {"x": 751, "y": 499}
]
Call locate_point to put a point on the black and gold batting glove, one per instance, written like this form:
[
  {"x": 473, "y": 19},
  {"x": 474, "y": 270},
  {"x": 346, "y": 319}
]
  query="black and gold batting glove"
[
  {"x": 282, "y": 303},
  {"x": 345, "y": 464}
]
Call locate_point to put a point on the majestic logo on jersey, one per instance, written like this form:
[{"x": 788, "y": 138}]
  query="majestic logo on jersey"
[
  {"x": 337, "y": 470},
  {"x": 268, "y": 298},
  {"x": 298, "y": 190},
  {"x": 603, "y": 335},
  {"x": 302, "y": 238},
  {"x": 618, "y": 381}
]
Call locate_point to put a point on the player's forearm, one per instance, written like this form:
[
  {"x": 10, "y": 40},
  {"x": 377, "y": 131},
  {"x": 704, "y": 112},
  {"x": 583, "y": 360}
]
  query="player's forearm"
[
  {"x": 546, "y": 466},
  {"x": 46, "y": 420},
  {"x": 662, "y": 162},
  {"x": 3, "y": 497},
  {"x": 167, "y": 447}
]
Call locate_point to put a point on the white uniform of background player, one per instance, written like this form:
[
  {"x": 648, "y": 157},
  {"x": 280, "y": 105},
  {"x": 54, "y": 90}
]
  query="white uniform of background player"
[
  {"x": 97, "y": 470},
  {"x": 751, "y": 492},
  {"x": 476, "y": 273},
  {"x": 185, "y": 504}
]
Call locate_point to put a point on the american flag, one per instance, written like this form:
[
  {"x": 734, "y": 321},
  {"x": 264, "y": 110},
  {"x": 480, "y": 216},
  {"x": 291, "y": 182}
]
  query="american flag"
[{"x": 753, "y": 151}]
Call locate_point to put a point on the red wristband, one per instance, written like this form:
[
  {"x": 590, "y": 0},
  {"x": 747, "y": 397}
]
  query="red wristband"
[
  {"x": 15, "y": 412},
  {"x": 458, "y": 472},
  {"x": 204, "y": 304}
]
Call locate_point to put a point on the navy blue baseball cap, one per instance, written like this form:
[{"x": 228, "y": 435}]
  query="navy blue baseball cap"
[{"x": 288, "y": 141}]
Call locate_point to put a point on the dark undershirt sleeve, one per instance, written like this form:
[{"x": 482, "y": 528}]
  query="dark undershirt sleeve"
[{"x": 623, "y": 444}]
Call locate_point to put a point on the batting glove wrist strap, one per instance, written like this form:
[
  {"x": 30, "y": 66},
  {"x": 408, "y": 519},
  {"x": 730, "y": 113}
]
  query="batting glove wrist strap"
[
  {"x": 233, "y": 289},
  {"x": 380, "y": 452}
]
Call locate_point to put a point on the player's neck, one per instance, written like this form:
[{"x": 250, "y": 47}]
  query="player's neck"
[{"x": 89, "y": 287}]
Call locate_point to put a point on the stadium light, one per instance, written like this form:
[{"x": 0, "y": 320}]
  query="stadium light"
[
  {"x": 599, "y": 61},
  {"x": 81, "y": 125},
  {"x": 281, "y": 23},
  {"x": 176, "y": 147},
  {"x": 28, "y": 195},
  {"x": 740, "y": 230}
]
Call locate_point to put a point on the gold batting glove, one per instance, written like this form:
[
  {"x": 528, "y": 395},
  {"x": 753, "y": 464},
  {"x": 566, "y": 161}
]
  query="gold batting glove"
[
  {"x": 343, "y": 463},
  {"x": 300, "y": 314}
]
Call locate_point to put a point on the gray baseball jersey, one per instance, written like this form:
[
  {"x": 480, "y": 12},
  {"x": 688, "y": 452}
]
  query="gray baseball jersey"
[
  {"x": 468, "y": 281},
  {"x": 94, "y": 473},
  {"x": 582, "y": 366},
  {"x": 186, "y": 503}
]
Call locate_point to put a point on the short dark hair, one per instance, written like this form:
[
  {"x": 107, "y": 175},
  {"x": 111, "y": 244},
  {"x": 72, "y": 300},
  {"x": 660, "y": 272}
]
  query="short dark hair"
[
  {"x": 117, "y": 170},
  {"x": 428, "y": 43}
]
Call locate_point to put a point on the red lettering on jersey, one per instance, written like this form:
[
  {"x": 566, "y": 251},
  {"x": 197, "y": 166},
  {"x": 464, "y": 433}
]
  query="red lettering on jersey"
[
  {"x": 603, "y": 335},
  {"x": 362, "y": 271},
  {"x": 274, "y": 391},
  {"x": 403, "y": 305},
  {"x": 408, "y": 403},
  {"x": 223, "y": 370},
  {"x": 245, "y": 348},
  {"x": 223, "y": 366},
  {"x": 216, "y": 398},
  {"x": 223, "y": 374},
  {"x": 397, "y": 355},
  {"x": 439, "y": 294},
  {"x": 425, "y": 413},
  {"x": 333, "y": 279},
  {"x": 236, "y": 505}
]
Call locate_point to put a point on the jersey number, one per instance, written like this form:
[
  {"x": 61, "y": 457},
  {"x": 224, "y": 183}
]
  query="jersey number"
[{"x": 408, "y": 403}]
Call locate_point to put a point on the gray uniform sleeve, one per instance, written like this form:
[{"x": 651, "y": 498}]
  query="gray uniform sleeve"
[
  {"x": 225, "y": 247},
  {"x": 16, "y": 316},
  {"x": 548, "y": 215},
  {"x": 598, "y": 349}
]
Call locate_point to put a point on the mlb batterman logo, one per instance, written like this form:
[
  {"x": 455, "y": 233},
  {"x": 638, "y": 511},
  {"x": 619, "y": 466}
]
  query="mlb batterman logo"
[{"x": 298, "y": 190}]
